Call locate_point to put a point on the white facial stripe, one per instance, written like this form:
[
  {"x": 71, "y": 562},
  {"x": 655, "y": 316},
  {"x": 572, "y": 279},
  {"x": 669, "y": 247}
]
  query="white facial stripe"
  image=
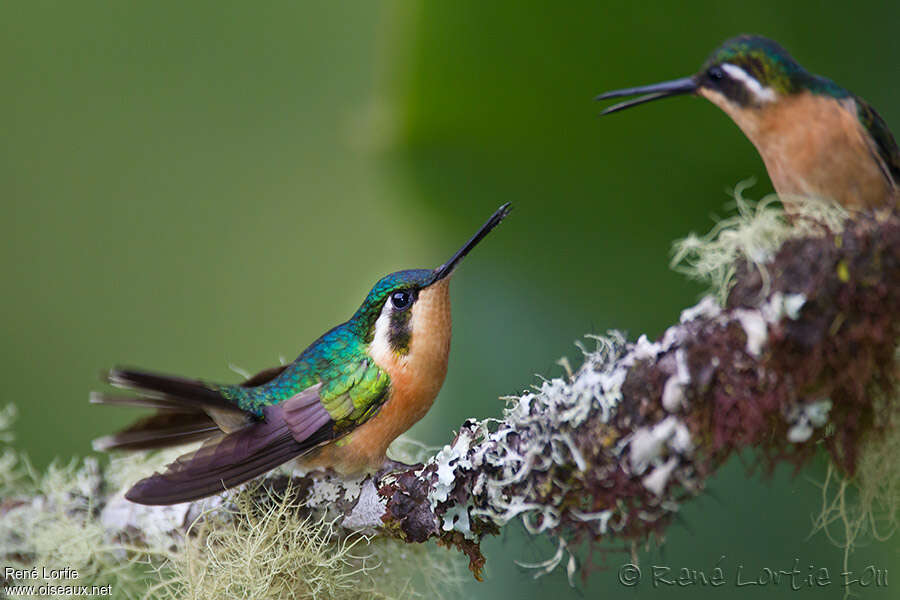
[
  {"x": 380, "y": 346},
  {"x": 762, "y": 94}
]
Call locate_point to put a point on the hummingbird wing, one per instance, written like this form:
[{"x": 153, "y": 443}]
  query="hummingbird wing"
[
  {"x": 287, "y": 430},
  {"x": 348, "y": 394},
  {"x": 886, "y": 151}
]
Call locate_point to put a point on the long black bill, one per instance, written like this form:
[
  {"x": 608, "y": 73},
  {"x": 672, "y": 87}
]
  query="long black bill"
[
  {"x": 445, "y": 269},
  {"x": 676, "y": 87}
]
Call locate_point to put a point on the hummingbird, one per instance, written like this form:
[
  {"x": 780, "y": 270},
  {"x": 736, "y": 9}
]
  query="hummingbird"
[
  {"x": 339, "y": 405},
  {"x": 815, "y": 138}
]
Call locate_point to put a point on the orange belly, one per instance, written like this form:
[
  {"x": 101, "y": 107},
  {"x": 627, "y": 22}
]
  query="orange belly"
[{"x": 364, "y": 449}]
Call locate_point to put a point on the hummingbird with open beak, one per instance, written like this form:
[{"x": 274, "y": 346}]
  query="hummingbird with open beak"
[
  {"x": 339, "y": 405},
  {"x": 816, "y": 138}
]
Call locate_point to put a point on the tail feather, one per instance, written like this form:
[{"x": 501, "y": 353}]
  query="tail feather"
[
  {"x": 189, "y": 392},
  {"x": 158, "y": 403},
  {"x": 164, "y": 429},
  {"x": 186, "y": 411}
]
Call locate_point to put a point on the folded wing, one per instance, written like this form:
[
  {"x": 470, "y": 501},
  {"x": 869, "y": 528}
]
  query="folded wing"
[{"x": 289, "y": 429}]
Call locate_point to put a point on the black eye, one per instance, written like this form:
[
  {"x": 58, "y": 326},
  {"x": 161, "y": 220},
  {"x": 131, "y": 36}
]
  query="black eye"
[
  {"x": 715, "y": 73},
  {"x": 401, "y": 300}
]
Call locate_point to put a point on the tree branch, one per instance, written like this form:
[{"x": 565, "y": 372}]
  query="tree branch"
[{"x": 609, "y": 452}]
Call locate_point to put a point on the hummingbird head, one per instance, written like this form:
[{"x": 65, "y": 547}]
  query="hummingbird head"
[
  {"x": 405, "y": 309},
  {"x": 743, "y": 76}
]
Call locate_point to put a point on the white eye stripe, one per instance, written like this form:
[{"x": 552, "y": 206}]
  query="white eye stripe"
[
  {"x": 762, "y": 94},
  {"x": 380, "y": 345}
]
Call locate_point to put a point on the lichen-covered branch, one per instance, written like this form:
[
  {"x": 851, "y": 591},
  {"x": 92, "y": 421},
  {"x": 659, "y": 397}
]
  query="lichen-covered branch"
[{"x": 802, "y": 352}]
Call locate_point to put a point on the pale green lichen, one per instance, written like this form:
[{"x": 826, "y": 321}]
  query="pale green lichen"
[
  {"x": 866, "y": 505},
  {"x": 49, "y": 521},
  {"x": 753, "y": 234},
  {"x": 265, "y": 549},
  {"x": 240, "y": 547}
]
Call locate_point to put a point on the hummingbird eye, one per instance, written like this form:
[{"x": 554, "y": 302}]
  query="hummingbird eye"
[
  {"x": 401, "y": 300},
  {"x": 715, "y": 73}
]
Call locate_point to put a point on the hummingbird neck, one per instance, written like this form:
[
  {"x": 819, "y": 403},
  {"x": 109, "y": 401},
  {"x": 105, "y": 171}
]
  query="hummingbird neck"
[
  {"x": 418, "y": 369},
  {"x": 814, "y": 146}
]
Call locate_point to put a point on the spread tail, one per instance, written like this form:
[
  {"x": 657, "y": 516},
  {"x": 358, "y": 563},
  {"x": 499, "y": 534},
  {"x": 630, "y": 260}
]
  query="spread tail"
[{"x": 186, "y": 411}]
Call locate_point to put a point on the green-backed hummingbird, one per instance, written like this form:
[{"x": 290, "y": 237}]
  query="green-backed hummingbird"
[{"x": 339, "y": 404}]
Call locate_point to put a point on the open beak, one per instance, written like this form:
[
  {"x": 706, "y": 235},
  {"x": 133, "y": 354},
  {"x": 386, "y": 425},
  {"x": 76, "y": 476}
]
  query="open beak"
[
  {"x": 676, "y": 87},
  {"x": 447, "y": 268}
]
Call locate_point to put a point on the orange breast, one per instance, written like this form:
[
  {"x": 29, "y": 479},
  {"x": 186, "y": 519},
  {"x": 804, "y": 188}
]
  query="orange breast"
[
  {"x": 815, "y": 146},
  {"x": 416, "y": 379}
]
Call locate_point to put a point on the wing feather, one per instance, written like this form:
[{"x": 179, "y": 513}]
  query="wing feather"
[
  {"x": 343, "y": 398},
  {"x": 885, "y": 149},
  {"x": 287, "y": 430}
]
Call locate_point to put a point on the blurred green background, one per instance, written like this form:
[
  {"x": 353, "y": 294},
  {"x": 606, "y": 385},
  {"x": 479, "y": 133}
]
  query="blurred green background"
[{"x": 188, "y": 185}]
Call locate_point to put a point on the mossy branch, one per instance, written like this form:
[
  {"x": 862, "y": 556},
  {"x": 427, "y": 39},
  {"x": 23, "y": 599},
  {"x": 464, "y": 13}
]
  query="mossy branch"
[{"x": 801, "y": 356}]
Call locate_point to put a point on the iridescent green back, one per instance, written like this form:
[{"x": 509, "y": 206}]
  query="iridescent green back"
[{"x": 353, "y": 386}]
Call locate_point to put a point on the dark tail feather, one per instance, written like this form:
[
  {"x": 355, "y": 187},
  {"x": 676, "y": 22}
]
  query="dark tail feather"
[
  {"x": 189, "y": 392},
  {"x": 158, "y": 403},
  {"x": 165, "y": 428},
  {"x": 226, "y": 462},
  {"x": 186, "y": 411}
]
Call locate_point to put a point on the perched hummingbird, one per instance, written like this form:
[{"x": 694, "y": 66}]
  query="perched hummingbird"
[
  {"x": 815, "y": 138},
  {"x": 339, "y": 404}
]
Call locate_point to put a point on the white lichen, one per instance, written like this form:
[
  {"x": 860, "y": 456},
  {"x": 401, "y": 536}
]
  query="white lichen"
[
  {"x": 49, "y": 521},
  {"x": 601, "y": 517},
  {"x": 755, "y": 328},
  {"x": 657, "y": 479},
  {"x": 648, "y": 443},
  {"x": 644, "y": 349},
  {"x": 781, "y": 305},
  {"x": 707, "y": 308},
  {"x": 447, "y": 460},
  {"x": 673, "y": 396},
  {"x": 367, "y": 510},
  {"x": 536, "y": 434},
  {"x": 807, "y": 417}
]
